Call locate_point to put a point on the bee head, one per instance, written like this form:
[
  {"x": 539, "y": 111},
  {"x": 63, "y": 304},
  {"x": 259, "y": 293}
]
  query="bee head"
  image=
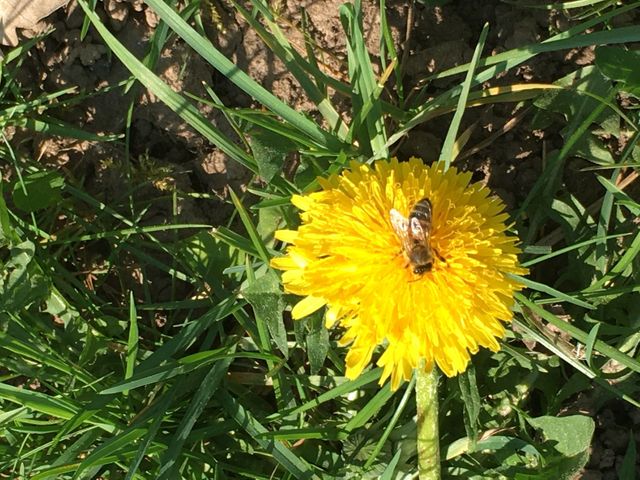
[{"x": 420, "y": 269}]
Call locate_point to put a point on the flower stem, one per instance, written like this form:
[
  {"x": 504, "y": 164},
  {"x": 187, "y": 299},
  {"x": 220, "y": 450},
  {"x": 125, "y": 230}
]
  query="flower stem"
[{"x": 428, "y": 438}]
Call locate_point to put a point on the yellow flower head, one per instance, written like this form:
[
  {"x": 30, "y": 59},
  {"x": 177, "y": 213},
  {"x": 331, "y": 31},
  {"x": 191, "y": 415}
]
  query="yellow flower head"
[{"x": 348, "y": 256}]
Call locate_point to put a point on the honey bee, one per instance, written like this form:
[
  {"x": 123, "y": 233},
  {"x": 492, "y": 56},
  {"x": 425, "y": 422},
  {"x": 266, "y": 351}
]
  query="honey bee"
[{"x": 415, "y": 233}]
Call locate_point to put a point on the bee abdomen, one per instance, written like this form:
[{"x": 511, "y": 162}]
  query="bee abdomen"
[{"x": 422, "y": 211}]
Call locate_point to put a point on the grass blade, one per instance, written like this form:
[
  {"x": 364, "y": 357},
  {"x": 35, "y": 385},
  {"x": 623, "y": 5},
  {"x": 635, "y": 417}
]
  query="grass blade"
[
  {"x": 173, "y": 100},
  {"x": 209, "y": 386},
  {"x": 132, "y": 343},
  {"x": 446, "y": 155},
  {"x": 363, "y": 80},
  {"x": 212, "y": 55},
  {"x": 298, "y": 467},
  {"x": 258, "y": 244}
]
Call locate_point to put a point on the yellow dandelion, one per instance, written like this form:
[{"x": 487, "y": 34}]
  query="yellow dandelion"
[{"x": 350, "y": 255}]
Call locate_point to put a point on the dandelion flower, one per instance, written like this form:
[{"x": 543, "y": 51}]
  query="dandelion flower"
[{"x": 347, "y": 256}]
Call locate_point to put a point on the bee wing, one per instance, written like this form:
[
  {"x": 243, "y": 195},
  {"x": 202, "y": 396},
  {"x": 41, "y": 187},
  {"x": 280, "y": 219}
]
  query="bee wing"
[
  {"x": 400, "y": 223},
  {"x": 417, "y": 231}
]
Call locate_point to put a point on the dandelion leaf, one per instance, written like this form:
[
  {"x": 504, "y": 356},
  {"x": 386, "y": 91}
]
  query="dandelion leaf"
[
  {"x": 37, "y": 191},
  {"x": 268, "y": 303}
]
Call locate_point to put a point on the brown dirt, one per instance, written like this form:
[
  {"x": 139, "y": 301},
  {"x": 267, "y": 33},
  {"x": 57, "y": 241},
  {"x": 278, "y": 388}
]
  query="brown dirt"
[{"x": 161, "y": 142}]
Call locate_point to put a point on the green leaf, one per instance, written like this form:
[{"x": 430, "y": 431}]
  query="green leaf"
[
  {"x": 7, "y": 233},
  {"x": 269, "y": 220},
  {"x": 317, "y": 344},
  {"x": 592, "y": 148},
  {"x": 627, "y": 470},
  {"x": 38, "y": 190},
  {"x": 268, "y": 303},
  {"x": 572, "y": 101},
  {"x": 22, "y": 282},
  {"x": 619, "y": 64},
  {"x": 132, "y": 343},
  {"x": 471, "y": 401},
  {"x": 570, "y": 435},
  {"x": 591, "y": 340},
  {"x": 390, "y": 468},
  {"x": 498, "y": 443},
  {"x": 270, "y": 151},
  {"x": 206, "y": 255}
]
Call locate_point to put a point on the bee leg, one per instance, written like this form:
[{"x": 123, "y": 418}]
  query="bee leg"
[
  {"x": 440, "y": 257},
  {"x": 406, "y": 259}
]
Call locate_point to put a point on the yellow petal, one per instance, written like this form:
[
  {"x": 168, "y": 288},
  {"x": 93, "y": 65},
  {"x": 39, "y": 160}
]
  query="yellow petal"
[
  {"x": 302, "y": 202},
  {"x": 283, "y": 263},
  {"x": 288, "y": 236},
  {"x": 307, "y": 306}
]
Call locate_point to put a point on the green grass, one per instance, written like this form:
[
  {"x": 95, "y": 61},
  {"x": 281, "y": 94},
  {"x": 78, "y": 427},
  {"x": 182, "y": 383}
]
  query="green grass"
[{"x": 103, "y": 377}]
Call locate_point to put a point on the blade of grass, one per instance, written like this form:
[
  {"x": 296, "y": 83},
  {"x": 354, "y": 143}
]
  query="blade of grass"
[
  {"x": 372, "y": 102},
  {"x": 33, "y": 351},
  {"x": 189, "y": 333},
  {"x": 627, "y": 258},
  {"x": 591, "y": 340},
  {"x": 372, "y": 407},
  {"x": 56, "y": 407},
  {"x": 618, "y": 194},
  {"x": 557, "y": 5},
  {"x": 562, "y": 41},
  {"x": 541, "y": 287},
  {"x": 339, "y": 391},
  {"x": 579, "y": 335},
  {"x": 209, "y": 386},
  {"x": 445, "y": 103},
  {"x": 446, "y": 154},
  {"x": 278, "y": 43},
  {"x": 575, "y": 363},
  {"x": 114, "y": 447},
  {"x": 212, "y": 55},
  {"x": 512, "y": 58},
  {"x": 51, "y": 126},
  {"x": 182, "y": 366},
  {"x": 561, "y": 353},
  {"x": 132, "y": 343},
  {"x": 387, "y": 42},
  {"x": 173, "y": 100},
  {"x": 547, "y": 183},
  {"x": 297, "y": 466},
  {"x": 404, "y": 401},
  {"x": 571, "y": 248},
  {"x": 145, "y": 444},
  {"x": 363, "y": 79},
  {"x": 602, "y": 258},
  {"x": 257, "y": 242}
]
